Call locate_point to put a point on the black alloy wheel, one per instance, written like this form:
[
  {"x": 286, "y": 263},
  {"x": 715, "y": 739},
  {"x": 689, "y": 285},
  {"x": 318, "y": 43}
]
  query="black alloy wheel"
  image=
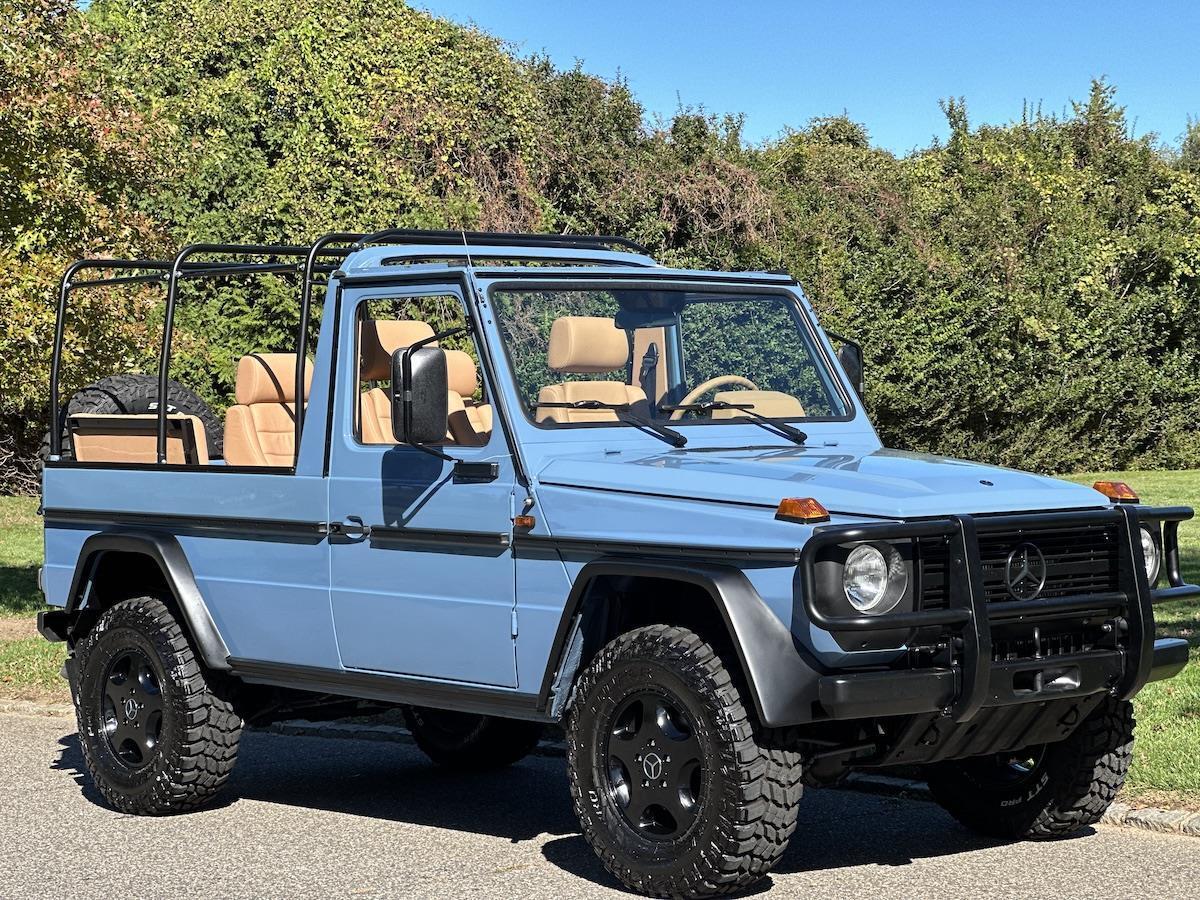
[
  {"x": 132, "y": 708},
  {"x": 655, "y": 766},
  {"x": 673, "y": 790}
]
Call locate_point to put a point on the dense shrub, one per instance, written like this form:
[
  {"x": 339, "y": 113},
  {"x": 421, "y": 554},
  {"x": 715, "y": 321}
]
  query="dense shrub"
[
  {"x": 1027, "y": 294},
  {"x": 72, "y": 150}
]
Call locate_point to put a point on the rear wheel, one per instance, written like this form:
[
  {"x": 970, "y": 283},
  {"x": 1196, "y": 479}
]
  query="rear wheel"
[
  {"x": 468, "y": 741},
  {"x": 157, "y": 735},
  {"x": 673, "y": 790},
  {"x": 1045, "y": 791}
]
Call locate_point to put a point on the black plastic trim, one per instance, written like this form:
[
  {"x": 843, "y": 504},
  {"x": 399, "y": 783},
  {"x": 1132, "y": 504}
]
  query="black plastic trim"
[
  {"x": 165, "y": 551},
  {"x": 393, "y": 688},
  {"x": 781, "y": 683},
  {"x": 54, "y": 624},
  {"x": 440, "y": 537},
  {"x": 548, "y": 543},
  {"x": 187, "y": 523},
  {"x": 1170, "y": 656}
]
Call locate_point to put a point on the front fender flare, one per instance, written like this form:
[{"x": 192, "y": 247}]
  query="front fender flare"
[
  {"x": 782, "y": 684},
  {"x": 165, "y": 551}
]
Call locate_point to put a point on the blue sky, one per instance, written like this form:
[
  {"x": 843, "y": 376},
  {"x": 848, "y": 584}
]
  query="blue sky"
[{"x": 885, "y": 64}]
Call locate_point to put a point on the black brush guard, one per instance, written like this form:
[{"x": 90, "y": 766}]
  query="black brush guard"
[{"x": 974, "y": 680}]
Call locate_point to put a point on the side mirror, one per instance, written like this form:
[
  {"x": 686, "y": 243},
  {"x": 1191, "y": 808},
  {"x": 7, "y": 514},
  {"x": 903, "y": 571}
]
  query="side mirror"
[
  {"x": 850, "y": 355},
  {"x": 419, "y": 395}
]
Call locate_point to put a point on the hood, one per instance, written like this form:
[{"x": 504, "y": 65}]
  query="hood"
[{"x": 889, "y": 483}]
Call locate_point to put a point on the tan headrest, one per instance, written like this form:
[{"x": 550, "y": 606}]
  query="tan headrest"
[
  {"x": 383, "y": 337},
  {"x": 460, "y": 369},
  {"x": 270, "y": 378},
  {"x": 586, "y": 344}
]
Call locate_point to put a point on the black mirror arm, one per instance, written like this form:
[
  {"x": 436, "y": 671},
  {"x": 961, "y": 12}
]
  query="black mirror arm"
[{"x": 434, "y": 451}]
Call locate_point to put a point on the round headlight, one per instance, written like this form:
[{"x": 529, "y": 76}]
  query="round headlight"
[
  {"x": 1150, "y": 555},
  {"x": 874, "y": 579}
]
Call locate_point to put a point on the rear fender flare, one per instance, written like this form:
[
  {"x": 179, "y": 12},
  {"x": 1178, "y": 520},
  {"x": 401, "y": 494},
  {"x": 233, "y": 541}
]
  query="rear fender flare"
[
  {"x": 165, "y": 552},
  {"x": 782, "y": 684}
]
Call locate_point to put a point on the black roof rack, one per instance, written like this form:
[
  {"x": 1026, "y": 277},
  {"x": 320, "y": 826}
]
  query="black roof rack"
[{"x": 504, "y": 239}]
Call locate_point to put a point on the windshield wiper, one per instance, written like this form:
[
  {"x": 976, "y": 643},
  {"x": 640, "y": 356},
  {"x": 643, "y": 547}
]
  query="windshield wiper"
[
  {"x": 781, "y": 429},
  {"x": 672, "y": 437}
]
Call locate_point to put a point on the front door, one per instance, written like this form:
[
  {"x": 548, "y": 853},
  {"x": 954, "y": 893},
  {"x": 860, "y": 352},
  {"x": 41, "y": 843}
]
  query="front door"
[{"x": 422, "y": 573}]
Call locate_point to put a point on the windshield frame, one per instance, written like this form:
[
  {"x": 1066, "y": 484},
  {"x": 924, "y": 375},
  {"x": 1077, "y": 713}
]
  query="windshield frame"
[{"x": 805, "y": 323}]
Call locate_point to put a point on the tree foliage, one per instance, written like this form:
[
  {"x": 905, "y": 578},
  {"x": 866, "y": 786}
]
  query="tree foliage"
[
  {"x": 1027, "y": 294},
  {"x": 73, "y": 150}
]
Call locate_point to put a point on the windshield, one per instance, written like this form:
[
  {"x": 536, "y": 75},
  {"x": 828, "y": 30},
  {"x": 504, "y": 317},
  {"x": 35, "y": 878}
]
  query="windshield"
[{"x": 589, "y": 357}]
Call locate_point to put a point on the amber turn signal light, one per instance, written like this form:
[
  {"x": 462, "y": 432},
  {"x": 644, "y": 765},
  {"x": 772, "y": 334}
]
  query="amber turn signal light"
[
  {"x": 1116, "y": 491},
  {"x": 525, "y": 522},
  {"x": 801, "y": 509}
]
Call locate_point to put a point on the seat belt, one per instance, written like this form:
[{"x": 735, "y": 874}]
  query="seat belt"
[{"x": 646, "y": 376}]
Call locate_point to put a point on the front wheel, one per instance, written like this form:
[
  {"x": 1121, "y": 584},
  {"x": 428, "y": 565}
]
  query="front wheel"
[
  {"x": 1045, "y": 791},
  {"x": 671, "y": 786},
  {"x": 157, "y": 735}
]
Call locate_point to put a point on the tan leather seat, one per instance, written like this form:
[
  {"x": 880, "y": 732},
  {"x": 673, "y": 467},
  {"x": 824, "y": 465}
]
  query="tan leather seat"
[
  {"x": 378, "y": 340},
  {"x": 261, "y": 429},
  {"x": 772, "y": 404},
  {"x": 587, "y": 345},
  {"x": 468, "y": 423}
]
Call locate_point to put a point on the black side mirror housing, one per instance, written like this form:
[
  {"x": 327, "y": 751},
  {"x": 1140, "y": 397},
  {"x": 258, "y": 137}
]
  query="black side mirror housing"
[
  {"x": 420, "y": 385},
  {"x": 850, "y": 355}
]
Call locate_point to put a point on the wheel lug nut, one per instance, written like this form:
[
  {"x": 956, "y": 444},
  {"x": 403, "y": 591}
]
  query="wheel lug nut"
[
  {"x": 645, "y": 784},
  {"x": 668, "y": 759},
  {"x": 664, "y": 784},
  {"x": 637, "y": 758},
  {"x": 652, "y": 742}
]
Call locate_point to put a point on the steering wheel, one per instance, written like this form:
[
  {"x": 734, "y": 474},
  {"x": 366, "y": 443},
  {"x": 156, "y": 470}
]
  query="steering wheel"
[{"x": 701, "y": 389}]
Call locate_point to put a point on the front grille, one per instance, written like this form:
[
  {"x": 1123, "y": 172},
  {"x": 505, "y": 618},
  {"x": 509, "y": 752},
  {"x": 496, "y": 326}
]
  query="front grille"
[{"x": 1078, "y": 561}]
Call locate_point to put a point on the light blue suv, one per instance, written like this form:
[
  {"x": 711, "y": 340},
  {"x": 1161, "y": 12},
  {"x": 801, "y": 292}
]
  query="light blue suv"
[{"x": 506, "y": 481}]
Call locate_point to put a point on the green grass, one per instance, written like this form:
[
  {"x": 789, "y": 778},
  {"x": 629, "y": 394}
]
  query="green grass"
[
  {"x": 20, "y": 555},
  {"x": 28, "y": 665},
  {"x": 1167, "y": 754}
]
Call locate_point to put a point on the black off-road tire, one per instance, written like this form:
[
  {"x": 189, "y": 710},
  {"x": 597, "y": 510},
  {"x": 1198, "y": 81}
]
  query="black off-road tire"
[
  {"x": 1069, "y": 787},
  {"x": 196, "y": 744},
  {"x": 137, "y": 395},
  {"x": 471, "y": 742},
  {"x": 745, "y": 802}
]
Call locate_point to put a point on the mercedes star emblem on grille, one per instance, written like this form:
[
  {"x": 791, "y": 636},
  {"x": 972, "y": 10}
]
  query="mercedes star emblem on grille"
[{"x": 1025, "y": 572}]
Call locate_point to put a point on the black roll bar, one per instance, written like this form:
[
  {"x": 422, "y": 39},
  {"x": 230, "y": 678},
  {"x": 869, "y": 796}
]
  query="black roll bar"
[{"x": 308, "y": 265}]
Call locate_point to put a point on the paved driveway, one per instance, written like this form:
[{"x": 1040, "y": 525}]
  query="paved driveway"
[{"x": 318, "y": 817}]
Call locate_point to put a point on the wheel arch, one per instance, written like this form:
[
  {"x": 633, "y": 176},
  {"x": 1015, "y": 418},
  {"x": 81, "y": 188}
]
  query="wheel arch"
[
  {"x": 780, "y": 682},
  {"x": 161, "y": 556}
]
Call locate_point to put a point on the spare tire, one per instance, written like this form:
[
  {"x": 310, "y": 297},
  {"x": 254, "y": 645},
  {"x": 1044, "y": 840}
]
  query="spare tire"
[{"x": 137, "y": 395}]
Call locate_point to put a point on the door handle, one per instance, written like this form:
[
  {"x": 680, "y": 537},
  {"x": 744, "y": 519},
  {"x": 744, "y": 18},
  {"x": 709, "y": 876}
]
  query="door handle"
[{"x": 350, "y": 527}]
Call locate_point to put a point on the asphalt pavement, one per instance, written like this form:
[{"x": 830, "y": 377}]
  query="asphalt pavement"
[{"x": 321, "y": 817}]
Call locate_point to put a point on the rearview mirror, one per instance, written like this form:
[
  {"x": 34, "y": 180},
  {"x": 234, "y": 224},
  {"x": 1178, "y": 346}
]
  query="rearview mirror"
[{"x": 419, "y": 395}]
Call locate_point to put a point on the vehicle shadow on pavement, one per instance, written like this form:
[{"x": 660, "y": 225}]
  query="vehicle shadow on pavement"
[
  {"x": 836, "y": 829},
  {"x": 392, "y": 781}
]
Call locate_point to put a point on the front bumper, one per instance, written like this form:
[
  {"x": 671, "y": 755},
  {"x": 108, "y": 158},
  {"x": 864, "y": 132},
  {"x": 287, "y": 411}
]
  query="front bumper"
[
  {"x": 974, "y": 681},
  {"x": 866, "y": 695}
]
